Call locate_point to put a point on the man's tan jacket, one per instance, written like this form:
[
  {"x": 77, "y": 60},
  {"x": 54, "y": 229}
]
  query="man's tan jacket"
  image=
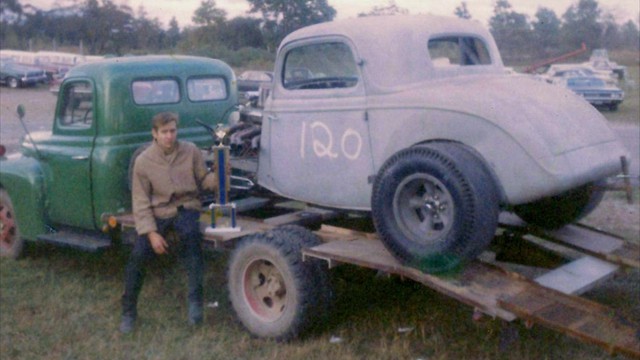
[{"x": 162, "y": 182}]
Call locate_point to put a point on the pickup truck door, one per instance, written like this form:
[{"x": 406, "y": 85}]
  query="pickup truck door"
[
  {"x": 317, "y": 147},
  {"x": 68, "y": 156}
]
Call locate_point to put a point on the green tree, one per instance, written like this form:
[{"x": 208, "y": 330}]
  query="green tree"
[
  {"x": 581, "y": 25},
  {"x": 390, "y": 9},
  {"x": 242, "y": 32},
  {"x": 173, "y": 33},
  {"x": 630, "y": 36},
  {"x": 208, "y": 14},
  {"x": 511, "y": 31},
  {"x": 546, "y": 32},
  {"x": 281, "y": 17},
  {"x": 462, "y": 12}
]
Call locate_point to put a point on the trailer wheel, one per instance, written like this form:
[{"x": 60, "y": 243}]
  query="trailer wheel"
[
  {"x": 435, "y": 206},
  {"x": 273, "y": 292},
  {"x": 323, "y": 299},
  {"x": 11, "y": 243},
  {"x": 557, "y": 211}
]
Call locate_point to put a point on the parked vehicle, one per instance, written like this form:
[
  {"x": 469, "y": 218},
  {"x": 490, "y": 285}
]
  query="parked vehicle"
[
  {"x": 251, "y": 80},
  {"x": 350, "y": 125},
  {"x": 69, "y": 177},
  {"x": 596, "y": 91},
  {"x": 556, "y": 73},
  {"x": 15, "y": 75}
]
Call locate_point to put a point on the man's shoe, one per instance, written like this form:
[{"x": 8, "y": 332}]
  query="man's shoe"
[
  {"x": 195, "y": 314},
  {"x": 127, "y": 324}
]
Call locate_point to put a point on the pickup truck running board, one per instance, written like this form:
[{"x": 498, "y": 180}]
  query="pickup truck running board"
[{"x": 86, "y": 241}]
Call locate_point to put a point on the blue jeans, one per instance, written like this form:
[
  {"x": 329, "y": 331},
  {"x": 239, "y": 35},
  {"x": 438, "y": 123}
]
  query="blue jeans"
[{"x": 189, "y": 247}]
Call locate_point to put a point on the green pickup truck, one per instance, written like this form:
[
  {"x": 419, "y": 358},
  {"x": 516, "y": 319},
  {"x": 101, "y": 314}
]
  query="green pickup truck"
[{"x": 63, "y": 181}]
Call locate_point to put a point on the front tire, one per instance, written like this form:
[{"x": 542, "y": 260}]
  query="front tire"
[
  {"x": 11, "y": 244},
  {"x": 273, "y": 292},
  {"x": 557, "y": 211},
  {"x": 435, "y": 206}
]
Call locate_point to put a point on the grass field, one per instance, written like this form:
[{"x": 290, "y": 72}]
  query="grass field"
[{"x": 62, "y": 304}]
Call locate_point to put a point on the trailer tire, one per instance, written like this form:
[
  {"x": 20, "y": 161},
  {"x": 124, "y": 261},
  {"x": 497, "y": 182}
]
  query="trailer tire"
[
  {"x": 557, "y": 211},
  {"x": 306, "y": 239},
  {"x": 272, "y": 291},
  {"x": 11, "y": 244},
  {"x": 435, "y": 206}
]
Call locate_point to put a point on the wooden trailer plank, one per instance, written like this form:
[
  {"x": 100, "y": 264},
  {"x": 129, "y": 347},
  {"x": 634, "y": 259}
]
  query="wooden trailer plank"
[
  {"x": 499, "y": 293},
  {"x": 478, "y": 285},
  {"x": 580, "y": 318},
  {"x": 594, "y": 242},
  {"x": 578, "y": 276}
]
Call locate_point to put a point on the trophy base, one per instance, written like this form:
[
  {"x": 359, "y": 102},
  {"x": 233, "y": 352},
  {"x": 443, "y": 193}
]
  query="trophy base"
[{"x": 221, "y": 230}]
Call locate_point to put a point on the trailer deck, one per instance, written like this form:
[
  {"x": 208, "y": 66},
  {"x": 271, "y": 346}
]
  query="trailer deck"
[{"x": 547, "y": 297}]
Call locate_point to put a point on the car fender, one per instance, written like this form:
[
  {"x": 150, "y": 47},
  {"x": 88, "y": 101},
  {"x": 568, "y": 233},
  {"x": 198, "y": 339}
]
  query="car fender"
[{"x": 22, "y": 178}]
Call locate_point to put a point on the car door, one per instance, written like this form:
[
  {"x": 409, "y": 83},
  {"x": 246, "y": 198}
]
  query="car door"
[
  {"x": 68, "y": 156},
  {"x": 317, "y": 147}
]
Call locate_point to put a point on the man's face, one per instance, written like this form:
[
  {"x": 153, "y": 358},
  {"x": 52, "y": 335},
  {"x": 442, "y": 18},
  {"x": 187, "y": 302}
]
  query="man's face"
[{"x": 166, "y": 135}]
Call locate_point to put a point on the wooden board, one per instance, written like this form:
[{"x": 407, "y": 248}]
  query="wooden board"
[
  {"x": 576, "y": 317},
  {"x": 499, "y": 293}
]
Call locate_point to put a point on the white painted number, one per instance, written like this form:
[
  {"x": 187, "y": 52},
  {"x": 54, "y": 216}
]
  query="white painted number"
[{"x": 322, "y": 141}]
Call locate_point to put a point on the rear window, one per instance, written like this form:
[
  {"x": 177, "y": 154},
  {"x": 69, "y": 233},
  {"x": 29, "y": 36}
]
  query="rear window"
[
  {"x": 458, "y": 51},
  {"x": 206, "y": 89},
  {"x": 155, "y": 91}
]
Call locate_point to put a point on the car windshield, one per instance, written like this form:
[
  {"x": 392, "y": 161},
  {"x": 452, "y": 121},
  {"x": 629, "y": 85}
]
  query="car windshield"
[{"x": 585, "y": 82}]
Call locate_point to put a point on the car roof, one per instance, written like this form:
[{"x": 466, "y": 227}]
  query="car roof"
[{"x": 395, "y": 47}]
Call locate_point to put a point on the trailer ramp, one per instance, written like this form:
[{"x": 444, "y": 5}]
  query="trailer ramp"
[{"x": 495, "y": 291}]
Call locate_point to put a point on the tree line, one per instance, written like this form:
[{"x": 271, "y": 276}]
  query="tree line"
[{"x": 102, "y": 27}]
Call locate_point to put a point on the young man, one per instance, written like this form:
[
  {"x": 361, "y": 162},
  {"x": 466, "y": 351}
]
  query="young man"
[{"x": 167, "y": 179}]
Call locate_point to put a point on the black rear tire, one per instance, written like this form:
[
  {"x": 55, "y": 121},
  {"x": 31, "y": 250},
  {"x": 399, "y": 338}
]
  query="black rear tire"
[
  {"x": 435, "y": 206},
  {"x": 557, "y": 211}
]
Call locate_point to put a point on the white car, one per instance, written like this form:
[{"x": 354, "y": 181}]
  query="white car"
[{"x": 414, "y": 119}]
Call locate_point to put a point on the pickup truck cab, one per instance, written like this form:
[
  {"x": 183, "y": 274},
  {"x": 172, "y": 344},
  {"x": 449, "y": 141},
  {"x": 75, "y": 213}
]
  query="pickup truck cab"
[
  {"x": 63, "y": 181},
  {"x": 416, "y": 120}
]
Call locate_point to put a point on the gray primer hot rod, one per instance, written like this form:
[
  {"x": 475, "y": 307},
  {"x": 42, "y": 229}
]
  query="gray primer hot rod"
[{"x": 415, "y": 119}]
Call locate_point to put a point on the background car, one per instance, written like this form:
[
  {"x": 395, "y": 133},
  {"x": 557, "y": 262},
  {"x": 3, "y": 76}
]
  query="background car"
[
  {"x": 596, "y": 91},
  {"x": 251, "y": 80},
  {"x": 16, "y": 75}
]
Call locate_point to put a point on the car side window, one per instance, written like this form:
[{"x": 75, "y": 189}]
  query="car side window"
[
  {"x": 458, "y": 51},
  {"x": 155, "y": 91},
  {"x": 77, "y": 105},
  {"x": 206, "y": 89},
  {"x": 320, "y": 66}
]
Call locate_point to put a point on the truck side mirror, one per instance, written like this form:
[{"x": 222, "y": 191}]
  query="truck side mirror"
[{"x": 20, "y": 111}]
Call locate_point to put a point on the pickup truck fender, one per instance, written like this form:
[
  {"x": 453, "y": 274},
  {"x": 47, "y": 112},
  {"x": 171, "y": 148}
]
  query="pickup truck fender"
[{"x": 22, "y": 178}]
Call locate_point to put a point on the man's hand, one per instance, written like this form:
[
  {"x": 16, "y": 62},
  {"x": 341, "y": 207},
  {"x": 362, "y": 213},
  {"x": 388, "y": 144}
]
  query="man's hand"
[{"x": 158, "y": 243}]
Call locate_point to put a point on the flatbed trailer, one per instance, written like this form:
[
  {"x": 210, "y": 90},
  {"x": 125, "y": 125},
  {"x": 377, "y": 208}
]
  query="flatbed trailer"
[{"x": 492, "y": 287}]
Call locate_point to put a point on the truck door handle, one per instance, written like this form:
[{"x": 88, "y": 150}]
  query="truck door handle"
[
  {"x": 80, "y": 157},
  {"x": 272, "y": 118}
]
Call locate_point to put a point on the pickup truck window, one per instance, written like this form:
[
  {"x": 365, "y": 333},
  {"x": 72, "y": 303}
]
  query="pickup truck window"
[
  {"x": 77, "y": 109},
  {"x": 155, "y": 91},
  {"x": 320, "y": 66},
  {"x": 458, "y": 51},
  {"x": 206, "y": 89}
]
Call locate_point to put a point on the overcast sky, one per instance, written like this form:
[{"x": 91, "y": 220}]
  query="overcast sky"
[{"x": 481, "y": 10}]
